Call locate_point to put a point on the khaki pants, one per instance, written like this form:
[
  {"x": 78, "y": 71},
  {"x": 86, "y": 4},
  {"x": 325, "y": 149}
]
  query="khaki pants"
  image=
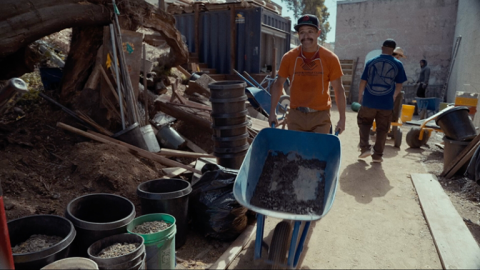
[
  {"x": 365, "y": 119},
  {"x": 317, "y": 122}
]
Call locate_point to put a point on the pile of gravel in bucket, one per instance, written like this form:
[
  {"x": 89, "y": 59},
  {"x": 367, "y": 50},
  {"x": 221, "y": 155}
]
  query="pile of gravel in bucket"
[
  {"x": 117, "y": 250},
  {"x": 151, "y": 227},
  {"x": 35, "y": 243},
  {"x": 290, "y": 183}
]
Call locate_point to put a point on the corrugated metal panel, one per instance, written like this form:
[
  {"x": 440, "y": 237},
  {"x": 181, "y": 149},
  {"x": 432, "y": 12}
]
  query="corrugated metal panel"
[
  {"x": 215, "y": 40},
  {"x": 185, "y": 23},
  {"x": 249, "y": 25},
  {"x": 215, "y": 37}
]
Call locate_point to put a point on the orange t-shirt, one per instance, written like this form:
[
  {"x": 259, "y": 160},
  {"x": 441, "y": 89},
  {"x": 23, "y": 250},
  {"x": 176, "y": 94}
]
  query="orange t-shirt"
[{"x": 309, "y": 81}]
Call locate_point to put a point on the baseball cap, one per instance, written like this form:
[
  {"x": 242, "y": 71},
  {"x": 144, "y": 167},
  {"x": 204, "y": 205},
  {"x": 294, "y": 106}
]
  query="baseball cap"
[
  {"x": 307, "y": 19},
  {"x": 390, "y": 43}
]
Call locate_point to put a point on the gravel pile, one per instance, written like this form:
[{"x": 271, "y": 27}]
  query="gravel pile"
[
  {"x": 35, "y": 243},
  {"x": 151, "y": 227},
  {"x": 292, "y": 184},
  {"x": 117, "y": 250}
]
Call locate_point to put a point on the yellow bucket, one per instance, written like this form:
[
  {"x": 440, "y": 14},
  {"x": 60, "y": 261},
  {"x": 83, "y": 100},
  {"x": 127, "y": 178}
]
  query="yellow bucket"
[{"x": 407, "y": 112}]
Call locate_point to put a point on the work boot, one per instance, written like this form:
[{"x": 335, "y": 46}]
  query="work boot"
[{"x": 365, "y": 154}]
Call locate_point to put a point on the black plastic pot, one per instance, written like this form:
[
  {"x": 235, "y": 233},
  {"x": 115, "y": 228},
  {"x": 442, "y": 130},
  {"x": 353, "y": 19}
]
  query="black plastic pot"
[
  {"x": 230, "y": 131},
  {"x": 230, "y": 142},
  {"x": 456, "y": 124},
  {"x": 232, "y": 161},
  {"x": 21, "y": 229},
  {"x": 127, "y": 261},
  {"x": 231, "y": 150},
  {"x": 169, "y": 196},
  {"x": 228, "y": 105},
  {"x": 96, "y": 216},
  {"x": 451, "y": 150},
  {"x": 227, "y": 89},
  {"x": 229, "y": 119}
]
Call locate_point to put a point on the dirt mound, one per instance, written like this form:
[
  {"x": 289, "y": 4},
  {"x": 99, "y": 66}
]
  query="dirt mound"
[{"x": 43, "y": 168}]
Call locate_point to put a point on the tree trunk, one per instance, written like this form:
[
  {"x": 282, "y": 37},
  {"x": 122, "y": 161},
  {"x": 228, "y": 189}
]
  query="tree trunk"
[
  {"x": 81, "y": 59},
  {"x": 19, "y": 28}
]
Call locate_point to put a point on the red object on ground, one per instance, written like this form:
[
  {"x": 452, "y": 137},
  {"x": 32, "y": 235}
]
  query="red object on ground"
[{"x": 6, "y": 257}]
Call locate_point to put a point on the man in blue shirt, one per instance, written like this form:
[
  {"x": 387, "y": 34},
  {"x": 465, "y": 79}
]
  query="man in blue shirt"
[{"x": 381, "y": 82}]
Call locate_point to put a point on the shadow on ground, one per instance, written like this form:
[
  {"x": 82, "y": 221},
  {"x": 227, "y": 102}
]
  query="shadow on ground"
[{"x": 364, "y": 182}]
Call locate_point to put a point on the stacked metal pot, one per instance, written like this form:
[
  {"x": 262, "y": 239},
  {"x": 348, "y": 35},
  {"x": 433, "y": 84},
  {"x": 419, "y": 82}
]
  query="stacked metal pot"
[{"x": 229, "y": 117}]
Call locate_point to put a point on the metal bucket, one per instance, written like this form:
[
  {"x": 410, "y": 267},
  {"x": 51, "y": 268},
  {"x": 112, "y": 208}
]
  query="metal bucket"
[
  {"x": 132, "y": 135},
  {"x": 169, "y": 137},
  {"x": 150, "y": 139}
]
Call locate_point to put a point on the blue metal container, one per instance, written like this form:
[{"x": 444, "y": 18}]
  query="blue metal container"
[{"x": 255, "y": 29}]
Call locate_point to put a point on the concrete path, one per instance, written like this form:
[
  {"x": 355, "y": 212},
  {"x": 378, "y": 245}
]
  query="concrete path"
[{"x": 376, "y": 221}]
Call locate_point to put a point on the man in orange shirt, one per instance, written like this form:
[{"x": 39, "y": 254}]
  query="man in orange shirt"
[{"x": 310, "y": 68}]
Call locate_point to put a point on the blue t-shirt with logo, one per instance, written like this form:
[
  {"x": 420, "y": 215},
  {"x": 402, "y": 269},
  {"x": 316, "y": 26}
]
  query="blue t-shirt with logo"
[{"x": 381, "y": 74}]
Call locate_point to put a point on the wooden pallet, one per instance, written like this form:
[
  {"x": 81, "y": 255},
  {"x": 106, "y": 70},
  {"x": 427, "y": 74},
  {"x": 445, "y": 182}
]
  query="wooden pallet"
[{"x": 348, "y": 66}]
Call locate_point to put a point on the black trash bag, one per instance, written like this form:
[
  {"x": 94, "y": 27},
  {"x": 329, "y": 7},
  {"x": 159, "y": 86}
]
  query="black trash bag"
[
  {"x": 214, "y": 210},
  {"x": 473, "y": 169}
]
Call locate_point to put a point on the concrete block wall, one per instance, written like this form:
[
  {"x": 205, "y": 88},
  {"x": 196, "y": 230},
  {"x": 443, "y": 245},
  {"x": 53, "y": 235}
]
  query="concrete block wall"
[
  {"x": 423, "y": 28},
  {"x": 466, "y": 70}
]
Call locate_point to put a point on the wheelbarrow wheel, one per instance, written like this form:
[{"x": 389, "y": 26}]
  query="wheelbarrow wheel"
[
  {"x": 285, "y": 102},
  {"x": 412, "y": 138},
  {"x": 398, "y": 138},
  {"x": 280, "y": 244}
]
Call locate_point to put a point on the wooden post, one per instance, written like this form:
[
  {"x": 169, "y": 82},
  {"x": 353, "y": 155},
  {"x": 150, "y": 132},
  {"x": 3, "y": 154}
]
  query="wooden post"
[
  {"x": 197, "y": 30},
  {"x": 233, "y": 34},
  {"x": 161, "y": 5}
]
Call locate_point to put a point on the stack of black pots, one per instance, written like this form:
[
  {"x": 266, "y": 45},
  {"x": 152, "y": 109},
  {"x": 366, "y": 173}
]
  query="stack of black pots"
[{"x": 229, "y": 117}]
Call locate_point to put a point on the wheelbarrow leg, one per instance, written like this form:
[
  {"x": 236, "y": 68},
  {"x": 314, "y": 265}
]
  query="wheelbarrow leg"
[
  {"x": 259, "y": 236},
  {"x": 293, "y": 243},
  {"x": 301, "y": 243}
]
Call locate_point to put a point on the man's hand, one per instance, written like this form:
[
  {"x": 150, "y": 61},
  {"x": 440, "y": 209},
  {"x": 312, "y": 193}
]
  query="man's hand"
[
  {"x": 273, "y": 119},
  {"x": 340, "y": 126}
]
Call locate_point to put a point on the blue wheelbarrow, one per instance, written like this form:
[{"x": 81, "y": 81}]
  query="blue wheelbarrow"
[
  {"x": 283, "y": 251},
  {"x": 260, "y": 97}
]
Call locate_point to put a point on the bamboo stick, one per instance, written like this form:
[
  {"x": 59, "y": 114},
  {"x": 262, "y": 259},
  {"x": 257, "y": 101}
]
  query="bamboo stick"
[{"x": 134, "y": 149}]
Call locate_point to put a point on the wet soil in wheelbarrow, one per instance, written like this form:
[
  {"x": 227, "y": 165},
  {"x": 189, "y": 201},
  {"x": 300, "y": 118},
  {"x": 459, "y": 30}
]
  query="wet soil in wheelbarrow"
[{"x": 292, "y": 184}]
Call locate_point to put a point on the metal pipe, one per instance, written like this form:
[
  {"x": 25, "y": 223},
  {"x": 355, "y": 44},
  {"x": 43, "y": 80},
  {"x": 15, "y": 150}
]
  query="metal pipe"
[
  {"x": 145, "y": 95},
  {"x": 254, "y": 81},
  {"x": 133, "y": 113},
  {"x": 119, "y": 92},
  {"x": 245, "y": 79}
]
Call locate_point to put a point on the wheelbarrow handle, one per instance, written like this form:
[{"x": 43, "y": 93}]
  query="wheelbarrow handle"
[{"x": 336, "y": 131}]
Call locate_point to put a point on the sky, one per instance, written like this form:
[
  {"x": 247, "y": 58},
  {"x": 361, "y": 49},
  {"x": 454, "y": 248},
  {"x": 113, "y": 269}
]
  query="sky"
[{"x": 332, "y": 8}]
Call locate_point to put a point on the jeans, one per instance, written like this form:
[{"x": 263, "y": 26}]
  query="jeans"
[{"x": 365, "y": 119}]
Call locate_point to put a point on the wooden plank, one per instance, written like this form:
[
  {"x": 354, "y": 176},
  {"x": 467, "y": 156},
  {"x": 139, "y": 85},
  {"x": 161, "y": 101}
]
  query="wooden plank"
[
  {"x": 460, "y": 155},
  {"x": 131, "y": 148},
  {"x": 455, "y": 244},
  {"x": 175, "y": 171},
  {"x": 180, "y": 113},
  {"x": 94, "y": 124},
  {"x": 163, "y": 152},
  {"x": 235, "y": 248},
  {"x": 193, "y": 146},
  {"x": 184, "y": 71}
]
